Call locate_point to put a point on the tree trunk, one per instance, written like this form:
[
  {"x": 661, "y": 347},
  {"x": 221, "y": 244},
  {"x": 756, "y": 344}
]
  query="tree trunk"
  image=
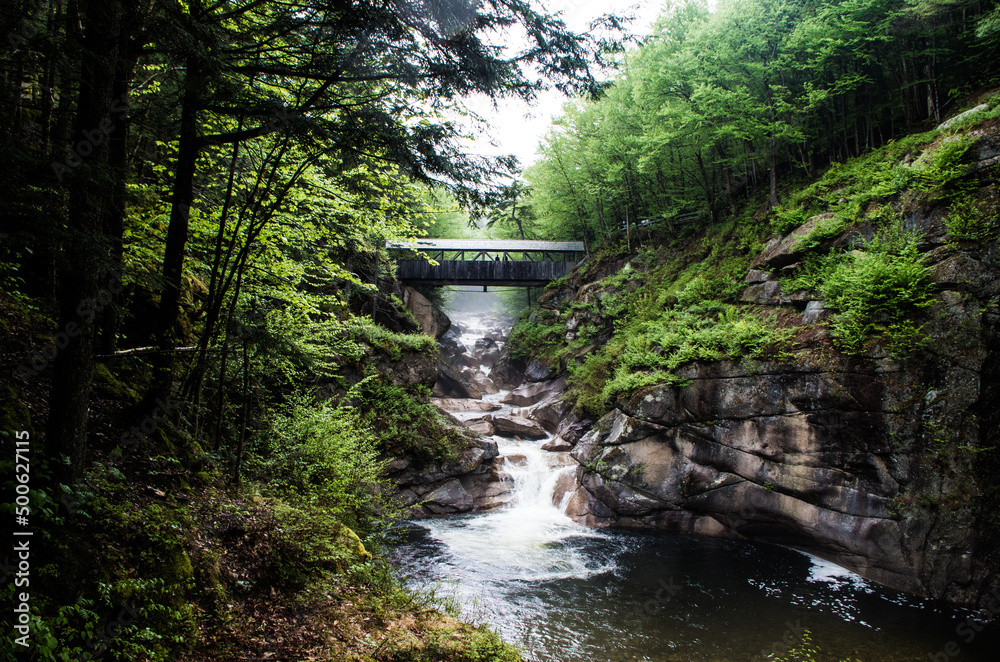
[
  {"x": 177, "y": 230},
  {"x": 91, "y": 208},
  {"x": 129, "y": 50},
  {"x": 772, "y": 148},
  {"x": 244, "y": 416}
]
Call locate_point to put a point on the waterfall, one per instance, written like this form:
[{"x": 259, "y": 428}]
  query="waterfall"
[{"x": 522, "y": 539}]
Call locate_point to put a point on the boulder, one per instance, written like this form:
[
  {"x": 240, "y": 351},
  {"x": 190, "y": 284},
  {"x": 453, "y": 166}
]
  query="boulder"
[
  {"x": 571, "y": 427},
  {"x": 958, "y": 272},
  {"x": 533, "y": 393},
  {"x": 490, "y": 489},
  {"x": 484, "y": 428},
  {"x": 463, "y": 405},
  {"x": 488, "y": 358},
  {"x": 947, "y": 124},
  {"x": 814, "y": 312},
  {"x": 766, "y": 293},
  {"x": 557, "y": 445},
  {"x": 476, "y": 378},
  {"x": 450, "y": 497},
  {"x": 452, "y": 384},
  {"x": 785, "y": 250},
  {"x": 757, "y": 276},
  {"x": 432, "y": 321},
  {"x": 508, "y": 373},
  {"x": 484, "y": 344},
  {"x": 565, "y": 484},
  {"x": 515, "y": 459},
  {"x": 516, "y": 426},
  {"x": 537, "y": 371},
  {"x": 450, "y": 345},
  {"x": 827, "y": 455},
  {"x": 548, "y": 414}
]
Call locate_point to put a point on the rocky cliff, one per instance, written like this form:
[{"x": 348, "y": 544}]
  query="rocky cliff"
[{"x": 882, "y": 461}]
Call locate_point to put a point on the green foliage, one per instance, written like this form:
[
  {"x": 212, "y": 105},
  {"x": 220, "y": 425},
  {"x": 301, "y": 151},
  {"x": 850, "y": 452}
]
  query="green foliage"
[
  {"x": 803, "y": 651},
  {"x": 703, "y": 288},
  {"x": 133, "y": 577},
  {"x": 404, "y": 423},
  {"x": 849, "y": 189},
  {"x": 455, "y": 644},
  {"x": 878, "y": 292},
  {"x": 787, "y": 219},
  {"x": 944, "y": 170},
  {"x": 587, "y": 380},
  {"x": 754, "y": 89},
  {"x": 529, "y": 338},
  {"x": 313, "y": 548},
  {"x": 811, "y": 272},
  {"x": 968, "y": 221},
  {"x": 363, "y": 328},
  {"x": 650, "y": 352},
  {"x": 323, "y": 454},
  {"x": 824, "y": 230},
  {"x": 129, "y": 619}
]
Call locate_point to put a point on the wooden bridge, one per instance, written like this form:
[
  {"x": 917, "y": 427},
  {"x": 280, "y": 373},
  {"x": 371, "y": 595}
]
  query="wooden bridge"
[{"x": 474, "y": 262}]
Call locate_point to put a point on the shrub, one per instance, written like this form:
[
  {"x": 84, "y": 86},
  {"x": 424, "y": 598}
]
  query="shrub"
[
  {"x": 701, "y": 289},
  {"x": 966, "y": 221},
  {"x": 878, "y": 291},
  {"x": 787, "y": 219},
  {"x": 405, "y": 423},
  {"x": 827, "y": 229},
  {"x": 587, "y": 380},
  {"x": 943, "y": 170},
  {"x": 651, "y": 352},
  {"x": 325, "y": 455},
  {"x": 528, "y": 338}
]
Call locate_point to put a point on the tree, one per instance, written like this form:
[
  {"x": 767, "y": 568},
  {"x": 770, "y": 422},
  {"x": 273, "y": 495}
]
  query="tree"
[
  {"x": 513, "y": 214},
  {"x": 109, "y": 52},
  {"x": 366, "y": 80}
]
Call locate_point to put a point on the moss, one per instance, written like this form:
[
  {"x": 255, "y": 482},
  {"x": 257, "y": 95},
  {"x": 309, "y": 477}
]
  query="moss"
[
  {"x": 351, "y": 548},
  {"x": 106, "y": 384}
]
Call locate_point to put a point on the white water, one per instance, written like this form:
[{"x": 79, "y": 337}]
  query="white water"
[
  {"x": 523, "y": 539},
  {"x": 568, "y": 594}
]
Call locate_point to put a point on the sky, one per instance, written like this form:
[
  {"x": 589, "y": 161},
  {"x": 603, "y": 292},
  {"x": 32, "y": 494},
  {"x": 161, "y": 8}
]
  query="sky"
[{"x": 516, "y": 127}]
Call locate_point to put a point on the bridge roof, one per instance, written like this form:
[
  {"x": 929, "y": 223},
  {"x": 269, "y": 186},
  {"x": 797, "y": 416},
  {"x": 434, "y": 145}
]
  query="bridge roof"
[{"x": 493, "y": 246}]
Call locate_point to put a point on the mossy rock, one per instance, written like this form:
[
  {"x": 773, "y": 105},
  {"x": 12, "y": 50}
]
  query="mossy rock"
[
  {"x": 178, "y": 569},
  {"x": 109, "y": 386},
  {"x": 350, "y": 549}
]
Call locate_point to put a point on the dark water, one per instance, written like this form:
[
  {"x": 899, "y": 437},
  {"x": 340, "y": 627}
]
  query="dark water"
[{"x": 620, "y": 595}]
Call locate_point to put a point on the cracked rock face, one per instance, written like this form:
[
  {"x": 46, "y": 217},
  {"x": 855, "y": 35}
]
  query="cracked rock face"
[
  {"x": 887, "y": 466},
  {"x": 829, "y": 458}
]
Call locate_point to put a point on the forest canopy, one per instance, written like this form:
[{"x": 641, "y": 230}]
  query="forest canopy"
[
  {"x": 716, "y": 105},
  {"x": 264, "y": 149}
]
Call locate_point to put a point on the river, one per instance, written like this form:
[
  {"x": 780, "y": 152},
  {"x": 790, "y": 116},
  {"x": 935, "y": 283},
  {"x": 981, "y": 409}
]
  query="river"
[{"x": 564, "y": 593}]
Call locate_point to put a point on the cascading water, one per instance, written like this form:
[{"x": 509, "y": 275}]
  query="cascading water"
[
  {"x": 565, "y": 593},
  {"x": 530, "y": 529}
]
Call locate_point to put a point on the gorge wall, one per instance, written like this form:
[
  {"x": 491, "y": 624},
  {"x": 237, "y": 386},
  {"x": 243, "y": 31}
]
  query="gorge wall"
[{"x": 886, "y": 465}]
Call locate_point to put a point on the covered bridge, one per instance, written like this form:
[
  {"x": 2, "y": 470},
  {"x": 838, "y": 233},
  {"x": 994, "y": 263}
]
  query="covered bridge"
[{"x": 478, "y": 262}]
